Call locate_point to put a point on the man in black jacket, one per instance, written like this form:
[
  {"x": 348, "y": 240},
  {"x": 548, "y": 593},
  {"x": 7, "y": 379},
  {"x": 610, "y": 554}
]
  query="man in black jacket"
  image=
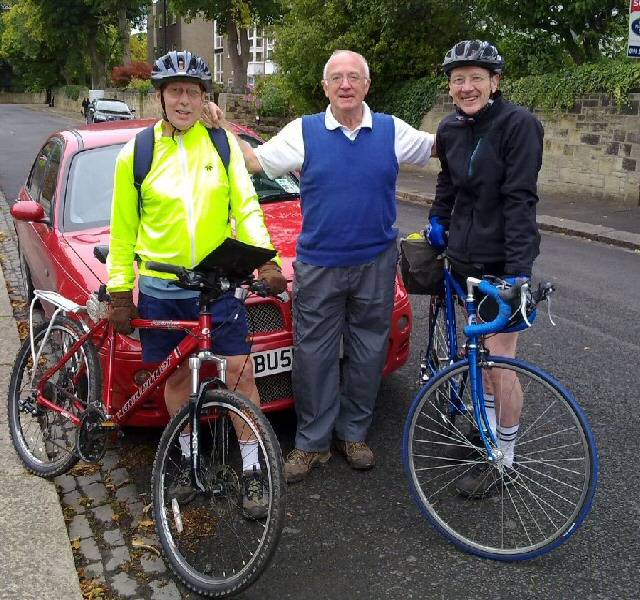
[{"x": 484, "y": 213}]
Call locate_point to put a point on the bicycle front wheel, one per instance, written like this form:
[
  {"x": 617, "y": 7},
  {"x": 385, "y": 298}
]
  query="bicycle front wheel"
[
  {"x": 210, "y": 541},
  {"x": 527, "y": 511},
  {"x": 44, "y": 439}
]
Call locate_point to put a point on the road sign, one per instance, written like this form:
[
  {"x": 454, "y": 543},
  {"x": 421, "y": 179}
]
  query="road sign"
[{"x": 633, "y": 49}]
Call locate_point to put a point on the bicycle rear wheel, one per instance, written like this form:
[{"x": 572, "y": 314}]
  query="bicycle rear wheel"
[
  {"x": 526, "y": 514},
  {"x": 438, "y": 356},
  {"x": 44, "y": 439},
  {"x": 210, "y": 543}
]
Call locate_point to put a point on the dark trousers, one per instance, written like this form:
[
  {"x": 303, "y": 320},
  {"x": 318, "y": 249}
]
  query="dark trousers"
[{"x": 333, "y": 303}]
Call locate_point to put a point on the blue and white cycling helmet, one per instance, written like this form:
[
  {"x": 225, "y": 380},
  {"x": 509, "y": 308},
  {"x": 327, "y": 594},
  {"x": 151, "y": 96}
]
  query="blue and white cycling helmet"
[
  {"x": 473, "y": 53},
  {"x": 181, "y": 65}
]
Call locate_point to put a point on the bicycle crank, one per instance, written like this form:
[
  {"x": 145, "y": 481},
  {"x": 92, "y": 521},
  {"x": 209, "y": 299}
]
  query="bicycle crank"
[{"x": 91, "y": 438}]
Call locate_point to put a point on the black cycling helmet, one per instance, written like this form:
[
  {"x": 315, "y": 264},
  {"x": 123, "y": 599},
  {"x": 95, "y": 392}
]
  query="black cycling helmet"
[
  {"x": 180, "y": 65},
  {"x": 473, "y": 53}
]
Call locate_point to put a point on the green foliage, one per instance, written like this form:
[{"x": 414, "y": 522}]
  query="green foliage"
[
  {"x": 138, "y": 45},
  {"x": 37, "y": 35},
  {"x": 273, "y": 96},
  {"x": 401, "y": 40},
  {"x": 72, "y": 91},
  {"x": 241, "y": 12},
  {"x": 410, "y": 100},
  {"x": 540, "y": 34},
  {"x": 144, "y": 86},
  {"x": 559, "y": 90}
]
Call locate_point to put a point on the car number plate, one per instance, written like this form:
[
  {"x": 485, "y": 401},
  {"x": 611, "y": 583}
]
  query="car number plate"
[{"x": 270, "y": 362}]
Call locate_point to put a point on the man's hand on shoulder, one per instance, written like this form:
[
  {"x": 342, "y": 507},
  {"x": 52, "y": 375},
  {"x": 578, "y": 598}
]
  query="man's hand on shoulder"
[{"x": 212, "y": 115}]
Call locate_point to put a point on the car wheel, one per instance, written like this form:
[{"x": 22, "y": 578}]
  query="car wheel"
[{"x": 27, "y": 282}]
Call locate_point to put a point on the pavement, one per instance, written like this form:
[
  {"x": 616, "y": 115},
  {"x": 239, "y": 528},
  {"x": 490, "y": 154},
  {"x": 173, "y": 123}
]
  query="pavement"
[{"x": 36, "y": 560}]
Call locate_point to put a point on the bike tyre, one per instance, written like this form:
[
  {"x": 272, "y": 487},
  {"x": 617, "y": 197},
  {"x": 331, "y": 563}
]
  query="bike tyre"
[
  {"x": 73, "y": 332},
  {"x": 473, "y": 509},
  {"x": 220, "y": 587}
]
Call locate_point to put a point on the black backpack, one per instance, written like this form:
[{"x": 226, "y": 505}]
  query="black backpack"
[{"x": 143, "y": 154}]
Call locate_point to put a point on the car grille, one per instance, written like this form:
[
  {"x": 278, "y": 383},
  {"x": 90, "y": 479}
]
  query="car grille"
[
  {"x": 274, "y": 387},
  {"x": 264, "y": 317}
]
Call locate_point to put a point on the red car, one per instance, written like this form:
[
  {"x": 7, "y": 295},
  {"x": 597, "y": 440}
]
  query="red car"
[{"x": 63, "y": 211}]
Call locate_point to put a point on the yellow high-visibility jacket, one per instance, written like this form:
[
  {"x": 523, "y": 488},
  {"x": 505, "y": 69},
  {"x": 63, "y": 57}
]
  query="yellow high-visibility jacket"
[{"x": 188, "y": 201}]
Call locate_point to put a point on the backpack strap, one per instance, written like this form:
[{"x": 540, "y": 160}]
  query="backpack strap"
[
  {"x": 221, "y": 144},
  {"x": 143, "y": 154},
  {"x": 142, "y": 159}
]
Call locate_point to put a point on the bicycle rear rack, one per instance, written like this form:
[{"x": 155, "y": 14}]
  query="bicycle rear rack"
[{"x": 62, "y": 304}]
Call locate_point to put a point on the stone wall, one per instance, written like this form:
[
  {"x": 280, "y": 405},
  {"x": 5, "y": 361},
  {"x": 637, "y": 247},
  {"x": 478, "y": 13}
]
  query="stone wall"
[
  {"x": 241, "y": 109},
  {"x": 22, "y": 97},
  {"x": 590, "y": 151},
  {"x": 145, "y": 105}
]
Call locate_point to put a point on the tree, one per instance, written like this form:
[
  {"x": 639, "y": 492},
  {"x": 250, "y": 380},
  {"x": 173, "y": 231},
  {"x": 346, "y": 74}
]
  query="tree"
[
  {"x": 401, "y": 40},
  {"x": 24, "y": 46},
  {"x": 233, "y": 17},
  {"x": 541, "y": 34},
  {"x": 138, "y": 45},
  {"x": 122, "y": 75},
  {"x": 93, "y": 26},
  {"x": 38, "y": 34}
]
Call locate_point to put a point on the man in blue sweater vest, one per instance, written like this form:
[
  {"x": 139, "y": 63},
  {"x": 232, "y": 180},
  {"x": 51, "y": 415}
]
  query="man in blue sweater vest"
[{"x": 346, "y": 261}]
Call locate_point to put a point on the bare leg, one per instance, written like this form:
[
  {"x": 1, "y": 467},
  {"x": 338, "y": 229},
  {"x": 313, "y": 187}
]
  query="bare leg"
[
  {"x": 177, "y": 389},
  {"x": 503, "y": 384},
  {"x": 239, "y": 378}
]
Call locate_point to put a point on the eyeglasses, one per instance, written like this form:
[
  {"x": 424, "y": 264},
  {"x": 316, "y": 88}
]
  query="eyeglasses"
[
  {"x": 175, "y": 92},
  {"x": 353, "y": 78},
  {"x": 459, "y": 81}
]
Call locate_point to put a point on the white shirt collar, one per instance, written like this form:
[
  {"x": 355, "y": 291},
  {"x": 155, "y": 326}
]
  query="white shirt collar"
[{"x": 330, "y": 122}]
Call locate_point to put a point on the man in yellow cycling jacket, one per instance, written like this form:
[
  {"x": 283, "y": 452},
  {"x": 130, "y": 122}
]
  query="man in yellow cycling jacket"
[{"x": 188, "y": 200}]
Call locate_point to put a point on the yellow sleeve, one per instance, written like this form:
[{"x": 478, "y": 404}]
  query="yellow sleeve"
[
  {"x": 245, "y": 208},
  {"x": 125, "y": 219}
]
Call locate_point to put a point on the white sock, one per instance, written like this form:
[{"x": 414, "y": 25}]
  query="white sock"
[
  {"x": 249, "y": 451},
  {"x": 185, "y": 444},
  {"x": 490, "y": 407},
  {"x": 507, "y": 442}
]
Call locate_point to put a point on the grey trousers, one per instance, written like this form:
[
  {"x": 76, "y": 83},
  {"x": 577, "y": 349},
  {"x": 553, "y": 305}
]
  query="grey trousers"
[{"x": 330, "y": 303}]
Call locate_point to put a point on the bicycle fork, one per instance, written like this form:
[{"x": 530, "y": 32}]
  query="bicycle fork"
[{"x": 195, "y": 407}]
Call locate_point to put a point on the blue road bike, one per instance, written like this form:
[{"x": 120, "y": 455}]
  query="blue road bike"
[{"x": 529, "y": 509}]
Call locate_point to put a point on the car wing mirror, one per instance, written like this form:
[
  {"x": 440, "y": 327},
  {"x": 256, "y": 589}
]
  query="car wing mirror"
[
  {"x": 28, "y": 210},
  {"x": 132, "y": 110}
]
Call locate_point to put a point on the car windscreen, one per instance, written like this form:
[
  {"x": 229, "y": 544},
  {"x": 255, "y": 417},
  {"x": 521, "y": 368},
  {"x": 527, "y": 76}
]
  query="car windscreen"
[
  {"x": 89, "y": 188},
  {"x": 286, "y": 187},
  {"x": 112, "y": 106}
]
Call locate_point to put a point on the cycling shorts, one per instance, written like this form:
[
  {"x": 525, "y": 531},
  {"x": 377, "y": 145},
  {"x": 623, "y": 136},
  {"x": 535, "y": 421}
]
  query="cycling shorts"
[{"x": 230, "y": 325}]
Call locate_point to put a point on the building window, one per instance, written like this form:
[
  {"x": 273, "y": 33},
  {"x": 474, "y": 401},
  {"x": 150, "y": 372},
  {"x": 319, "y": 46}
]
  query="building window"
[{"x": 217, "y": 66}]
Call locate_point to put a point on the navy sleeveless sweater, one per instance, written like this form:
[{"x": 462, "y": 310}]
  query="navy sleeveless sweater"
[{"x": 348, "y": 193}]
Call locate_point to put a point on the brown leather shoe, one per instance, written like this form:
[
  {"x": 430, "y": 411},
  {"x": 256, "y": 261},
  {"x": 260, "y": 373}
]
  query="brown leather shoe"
[
  {"x": 300, "y": 462},
  {"x": 358, "y": 454}
]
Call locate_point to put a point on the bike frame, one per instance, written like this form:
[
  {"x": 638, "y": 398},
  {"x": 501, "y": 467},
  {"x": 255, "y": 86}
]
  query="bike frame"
[
  {"x": 475, "y": 353},
  {"x": 198, "y": 339}
]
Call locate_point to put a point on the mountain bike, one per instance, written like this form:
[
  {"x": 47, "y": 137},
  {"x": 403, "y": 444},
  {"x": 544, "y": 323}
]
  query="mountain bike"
[
  {"x": 60, "y": 411},
  {"x": 530, "y": 507}
]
